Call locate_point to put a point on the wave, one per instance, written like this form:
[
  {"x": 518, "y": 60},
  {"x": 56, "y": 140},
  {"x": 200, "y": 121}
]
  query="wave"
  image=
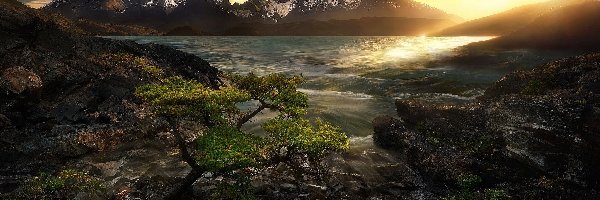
[
  {"x": 335, "y": 93},
  {"x": 442, "y": 97}
]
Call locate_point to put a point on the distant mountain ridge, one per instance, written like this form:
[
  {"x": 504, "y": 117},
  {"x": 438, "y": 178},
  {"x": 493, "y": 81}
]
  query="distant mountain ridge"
[
  {"x": 508, "y": 21},
  {"x": 569, "y": 27},
  {"x": 219, "y": 15},
  {"x": 368, "y": 26},
  {"x": 356, "y": 9}
]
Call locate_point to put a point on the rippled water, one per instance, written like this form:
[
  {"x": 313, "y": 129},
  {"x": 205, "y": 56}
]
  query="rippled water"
[{"x": 350, "y": 80}]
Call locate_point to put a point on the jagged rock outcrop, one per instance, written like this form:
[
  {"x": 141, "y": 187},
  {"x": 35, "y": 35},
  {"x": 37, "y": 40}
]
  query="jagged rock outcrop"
[
  {"x": 534, "y": 134},
  {"x": 63, "y": 95}
]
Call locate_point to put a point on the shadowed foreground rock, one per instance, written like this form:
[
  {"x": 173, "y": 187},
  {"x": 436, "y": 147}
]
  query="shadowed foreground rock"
[
  {"x": 534, "y": 134},
  {"x": 63, "y": 95}
]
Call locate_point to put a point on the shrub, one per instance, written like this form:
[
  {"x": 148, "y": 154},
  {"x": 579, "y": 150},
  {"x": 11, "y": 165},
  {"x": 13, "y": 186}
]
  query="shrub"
[
  {"x": 225, "y": 147},
  {"x": 66, "y": 184}
]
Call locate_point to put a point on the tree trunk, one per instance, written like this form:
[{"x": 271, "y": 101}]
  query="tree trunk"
[
  {"x": 196, "y": 172},
  {"x": 186, "y": 183}
]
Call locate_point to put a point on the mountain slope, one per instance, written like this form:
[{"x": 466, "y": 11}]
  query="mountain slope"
[
  {"x": 369, "y": 26},
  {"x": 571, "y": 27},
  {"x": 356, "y": 9},
  {"x": 506, "y": 22},
  {"x": 218, "y": 15}
]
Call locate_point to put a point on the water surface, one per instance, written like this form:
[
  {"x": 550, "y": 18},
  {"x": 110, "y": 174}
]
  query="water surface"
[{"x": 350, "y": 80}]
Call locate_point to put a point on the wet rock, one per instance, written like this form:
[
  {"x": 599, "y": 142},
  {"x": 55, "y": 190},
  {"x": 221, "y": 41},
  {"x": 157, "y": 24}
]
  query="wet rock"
[
  {"x": 64, "y": 95},
  {"x": 388, "y": 132},
  {"x": 288, "y": 186},
  {"x": 4, "y": 121},
  {"x": 540, "y": 124},
  {"x": 18, "y": 79},
  {"x": 540, "y": 130}
]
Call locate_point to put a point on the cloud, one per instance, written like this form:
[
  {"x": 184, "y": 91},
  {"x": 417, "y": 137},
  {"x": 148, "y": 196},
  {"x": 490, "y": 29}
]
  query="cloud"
[{"x": 35, "y": 3}]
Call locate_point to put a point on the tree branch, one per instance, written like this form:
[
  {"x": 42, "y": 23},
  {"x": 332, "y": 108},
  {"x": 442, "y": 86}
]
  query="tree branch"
[
  {"x": 188, "y": 181},
  {"x": 247, "y": 118},
  {"x": 196, "y": 172},
  {"x": 185, "y": 154},
  {"x": 182, "y": 145}
]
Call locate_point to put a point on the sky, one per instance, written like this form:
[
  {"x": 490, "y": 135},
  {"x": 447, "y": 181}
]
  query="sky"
[
  {"x": 467, "y": 9},
  {"x": 35, "y": 3},
  {"x": 473, "y": 9}
]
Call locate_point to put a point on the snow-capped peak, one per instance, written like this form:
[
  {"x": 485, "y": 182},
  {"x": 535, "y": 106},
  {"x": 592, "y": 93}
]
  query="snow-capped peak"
[{"x": 168, "y": 4}]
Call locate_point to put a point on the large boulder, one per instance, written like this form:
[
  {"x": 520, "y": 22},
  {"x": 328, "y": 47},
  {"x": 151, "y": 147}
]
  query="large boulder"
[{"x": 535, "y": 133}]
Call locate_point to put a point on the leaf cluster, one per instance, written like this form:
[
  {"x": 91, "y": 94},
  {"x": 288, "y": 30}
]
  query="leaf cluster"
[
  {"x": 299, "y": 135},
  {"x": 224, "y": 147},
  {"x": 65, "y": 184},
  {"x": 276, "y": 90},
  {"x": 469, "y": 190},
  {"x": 177, "y": 97},
  {"x": 125, "y": 60}
]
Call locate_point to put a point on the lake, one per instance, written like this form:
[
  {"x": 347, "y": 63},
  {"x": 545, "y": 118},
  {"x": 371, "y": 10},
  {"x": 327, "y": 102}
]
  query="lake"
[
  {"x": 349, "y": 80},
  {"x": 352, "y": 80}
]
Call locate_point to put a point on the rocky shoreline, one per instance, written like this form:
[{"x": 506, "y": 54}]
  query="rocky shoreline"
[
  {"x": 64, "y": 96},
  {"x": 532, "y": 135},
  {"x": 66, "y": 102}
]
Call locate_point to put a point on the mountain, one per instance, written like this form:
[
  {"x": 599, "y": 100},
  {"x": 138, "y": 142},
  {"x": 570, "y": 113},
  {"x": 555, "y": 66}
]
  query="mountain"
[
  {"x": 368, "y": 26},
  {"x": 163, "y": 15},
  {"x": 355, "y": 9},
  {"x": 570, "y": 27},
  {"x": 217, "y": 16},
  {"x": 508, "y": 21},
  {"x": 89, "y": 27}
]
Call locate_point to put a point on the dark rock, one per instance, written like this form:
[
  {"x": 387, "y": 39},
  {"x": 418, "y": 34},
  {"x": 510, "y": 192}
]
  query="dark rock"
[
  {"x": 64, "y": 95},
  {"x": 532, "y": 125},
  {"x": 18, "y": 79},
  {"x": 387, "y": 132},
  {"x": 4, "y": 121}
]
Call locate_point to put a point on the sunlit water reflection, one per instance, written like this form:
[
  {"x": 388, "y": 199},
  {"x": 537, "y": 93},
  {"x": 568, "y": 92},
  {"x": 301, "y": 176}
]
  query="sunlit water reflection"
[{"x": 350, "y": 80}]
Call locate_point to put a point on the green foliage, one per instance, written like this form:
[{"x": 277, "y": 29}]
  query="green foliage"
[
  {"x": 241, "y": 189},
  {"x": 533, "y": 87},
  {"x": 469, "y": 181},
  {"x": 64, "y": 185},
  {"x": 224, "y": 148},
  {"x": 124, "y": 60},
  {"x": 468, "y": 190},
  {"x": 181, "y": 98},
  {"x": 153, "y": 70},
  {"x": 275, "y": 89},
  {"x": 496, "y": 194},
  {"x": 299, "y": 135}
]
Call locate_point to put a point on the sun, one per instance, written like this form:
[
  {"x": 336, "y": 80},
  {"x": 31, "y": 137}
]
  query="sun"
[{"x": 472, "y": 9}]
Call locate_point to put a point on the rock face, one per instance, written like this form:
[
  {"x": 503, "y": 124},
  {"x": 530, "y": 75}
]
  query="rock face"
[
  {"x": 63, "y": 95},
  {"x": 534, "y": 134}
]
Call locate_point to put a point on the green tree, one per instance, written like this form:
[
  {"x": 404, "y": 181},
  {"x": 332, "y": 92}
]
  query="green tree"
[{"x": 224, "y": 147}]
